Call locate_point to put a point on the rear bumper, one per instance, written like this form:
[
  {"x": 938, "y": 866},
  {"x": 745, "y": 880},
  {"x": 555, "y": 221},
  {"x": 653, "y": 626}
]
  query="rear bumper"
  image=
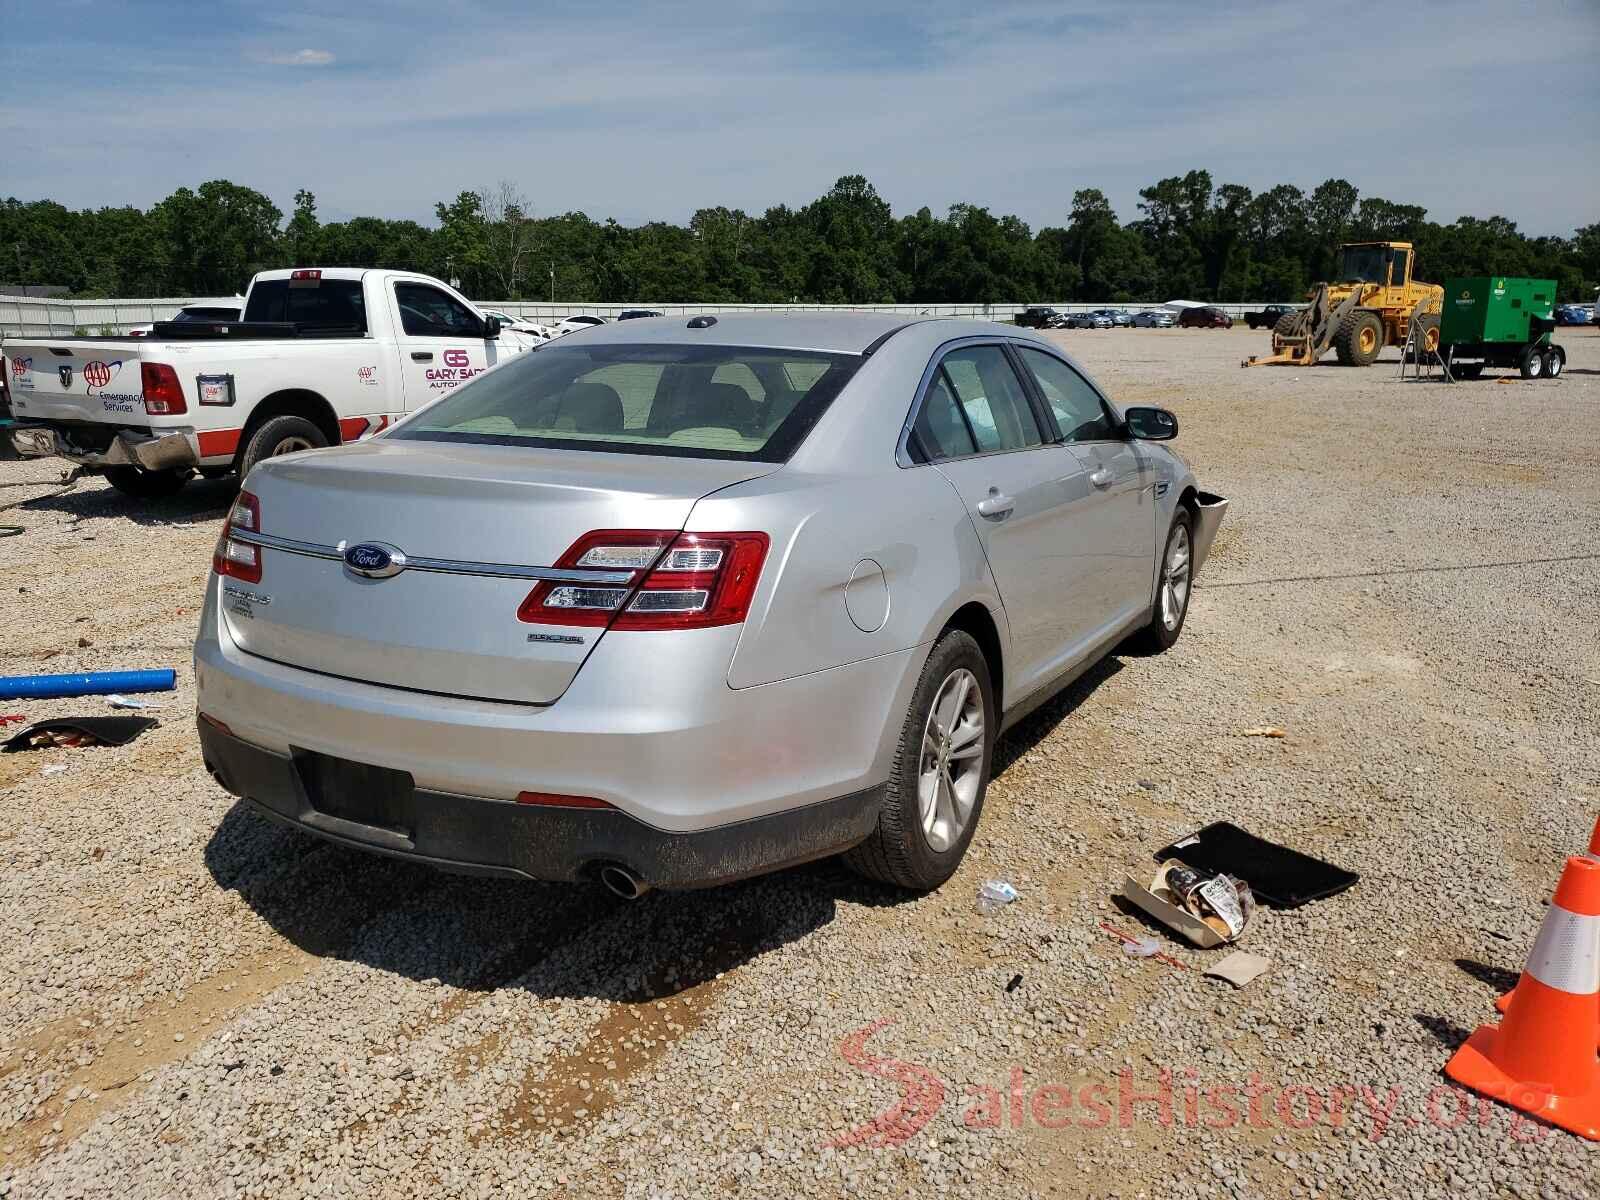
[
  {"x": 152, "y": 452},
  {"x": 709, "y": 782},
  {"x": 474, "y": 835}
]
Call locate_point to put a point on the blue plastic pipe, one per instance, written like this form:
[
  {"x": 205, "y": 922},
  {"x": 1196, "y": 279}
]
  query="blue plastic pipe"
[{"x": 96, "y": 683}]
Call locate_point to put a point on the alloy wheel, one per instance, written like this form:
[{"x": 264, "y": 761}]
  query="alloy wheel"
[
  {"x": 1175, "y": 578},
  {"x": 950, "y": 766}
]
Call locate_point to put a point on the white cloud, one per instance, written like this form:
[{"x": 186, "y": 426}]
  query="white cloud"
[{"x": 301, "y": 58}]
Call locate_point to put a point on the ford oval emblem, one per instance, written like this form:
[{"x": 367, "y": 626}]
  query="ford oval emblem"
[{"x": 374, "y": 560}]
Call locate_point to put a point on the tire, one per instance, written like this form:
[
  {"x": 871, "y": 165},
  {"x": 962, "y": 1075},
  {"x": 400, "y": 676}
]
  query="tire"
[
  {"x": 1285, "y": 324},
  {"x": 1428, "y": 333},
  {"x": 279, "y": 435},
  {"x": 903, "y": 850},
  {"x": 147, "y": 485},
  {"x": 1359, "y": 339},
  {"x": 1165, "y": 624},
  {"x": 1532, "y": 365},
  {"x": 1555, "y": 360}
]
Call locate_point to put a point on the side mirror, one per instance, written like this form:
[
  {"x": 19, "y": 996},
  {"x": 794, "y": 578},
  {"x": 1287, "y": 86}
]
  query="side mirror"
[
  {"x": 491, "y": 327},
  {"x": 1151, "y": 424}
]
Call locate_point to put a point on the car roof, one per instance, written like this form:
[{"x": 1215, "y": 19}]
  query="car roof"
[{"x": 833, "y": 332}]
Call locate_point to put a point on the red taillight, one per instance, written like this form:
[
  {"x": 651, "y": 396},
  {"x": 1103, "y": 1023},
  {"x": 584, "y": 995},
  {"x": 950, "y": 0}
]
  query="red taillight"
[
  {"x": 234, "y": 558},
  {"x": 304, "y": 276},
  {"x": 676, "y": 581},
  {"x": 163, "y": 394}
]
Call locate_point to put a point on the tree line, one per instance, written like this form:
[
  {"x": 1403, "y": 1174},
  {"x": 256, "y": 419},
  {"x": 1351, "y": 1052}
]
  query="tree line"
[{"x": 1192, "y": 240}]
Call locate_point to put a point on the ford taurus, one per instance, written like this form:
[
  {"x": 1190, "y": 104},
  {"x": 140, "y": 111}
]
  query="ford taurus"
[{"x": 673, "y": 602}]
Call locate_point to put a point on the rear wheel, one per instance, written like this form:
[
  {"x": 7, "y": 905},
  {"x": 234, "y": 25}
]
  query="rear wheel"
[
  {"x": 934, "y": 796},
  {"x": 1555, "y": 359},
  {"x": 147, "y": 485},
  {"x": 1532, "y": 365},
  {"x": 1359, "y": 339},
  {"x": 277, "y": 436}
]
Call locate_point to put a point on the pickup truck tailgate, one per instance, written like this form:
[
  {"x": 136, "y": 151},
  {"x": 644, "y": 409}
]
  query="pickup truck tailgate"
[{"x": 76, "y": 379}]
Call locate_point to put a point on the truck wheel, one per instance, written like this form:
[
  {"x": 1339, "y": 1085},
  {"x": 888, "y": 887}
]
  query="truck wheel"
[
  {"x": 934, "y": 796},
  {"x": 1359, "y": 339},
  {"x": 147, "y": 485},
  {"x": 279, "y": 435},
  {"x": 1555, "y": 359},
  {"x": 1532, "y": 363}
]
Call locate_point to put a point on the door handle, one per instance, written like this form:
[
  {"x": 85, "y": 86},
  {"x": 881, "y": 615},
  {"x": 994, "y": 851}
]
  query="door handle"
[
  {"x": 422, "y": 356},
  {"x": 996, "y": 504},
  {"x": 1102, "y": 478}
]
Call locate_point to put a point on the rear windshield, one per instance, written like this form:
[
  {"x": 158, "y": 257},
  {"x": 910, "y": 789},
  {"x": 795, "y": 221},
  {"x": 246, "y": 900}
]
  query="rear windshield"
[
  {"x": 324, "y": 303},
  {"x": 687, "y": 401}
]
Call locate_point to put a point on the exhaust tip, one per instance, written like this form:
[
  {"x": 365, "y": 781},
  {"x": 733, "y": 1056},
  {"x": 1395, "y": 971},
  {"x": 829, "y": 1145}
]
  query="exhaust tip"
[{"x": 621, "y": 881}]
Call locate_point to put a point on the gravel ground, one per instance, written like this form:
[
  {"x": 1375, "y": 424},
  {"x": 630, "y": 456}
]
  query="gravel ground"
[{"x": 198, "y": 1002}]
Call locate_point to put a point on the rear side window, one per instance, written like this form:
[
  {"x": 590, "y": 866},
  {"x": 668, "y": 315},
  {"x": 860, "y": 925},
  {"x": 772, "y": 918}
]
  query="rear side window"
[
  {"x": 320, "y": 303},
  {"x": 974, "y": 404},
  {"x": 427, "y": 312},
  {"x": 687, "y": 401},
  {"x": 1076, "y": 405}
]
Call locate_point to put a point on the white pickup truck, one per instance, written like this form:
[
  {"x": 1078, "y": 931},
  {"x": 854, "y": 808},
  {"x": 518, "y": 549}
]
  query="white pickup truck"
[{"x": 320, "y": 357}]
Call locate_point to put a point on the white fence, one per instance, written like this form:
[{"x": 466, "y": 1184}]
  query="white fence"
[{"x": 26, "y": 317}]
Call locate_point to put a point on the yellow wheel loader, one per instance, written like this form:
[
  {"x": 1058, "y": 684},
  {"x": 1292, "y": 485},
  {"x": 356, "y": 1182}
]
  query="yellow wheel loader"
[{"x": 1371, "y": 308}]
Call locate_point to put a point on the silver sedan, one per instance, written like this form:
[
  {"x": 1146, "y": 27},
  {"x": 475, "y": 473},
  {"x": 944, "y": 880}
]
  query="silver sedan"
[{"x": 678, "y": 601}]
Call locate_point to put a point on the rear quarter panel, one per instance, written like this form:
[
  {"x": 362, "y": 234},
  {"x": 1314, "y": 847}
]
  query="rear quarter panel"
[{"x": 826, "y": 530}]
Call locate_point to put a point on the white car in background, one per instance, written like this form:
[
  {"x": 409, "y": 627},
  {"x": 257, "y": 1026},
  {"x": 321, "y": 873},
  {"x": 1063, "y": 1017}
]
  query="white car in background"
[
  {"x": 519, "y": 324},
  {"x": 1153, "y": 318},
  {"x": 574, "y": 323}
]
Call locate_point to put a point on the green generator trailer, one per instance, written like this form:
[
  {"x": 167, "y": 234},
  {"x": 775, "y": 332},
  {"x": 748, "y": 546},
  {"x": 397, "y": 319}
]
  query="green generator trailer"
[{"x": 1499, "y": 321}]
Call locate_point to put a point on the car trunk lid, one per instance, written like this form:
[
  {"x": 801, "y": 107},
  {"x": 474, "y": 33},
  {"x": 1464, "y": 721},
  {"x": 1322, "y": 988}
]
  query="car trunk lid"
[{"x": 474, "y": 515}]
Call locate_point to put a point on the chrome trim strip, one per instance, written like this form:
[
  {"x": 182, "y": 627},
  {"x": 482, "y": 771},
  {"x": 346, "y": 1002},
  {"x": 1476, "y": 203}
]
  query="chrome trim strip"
[
  {"x": 289, "y": 545},
  {"x": 440, "y": 566}
]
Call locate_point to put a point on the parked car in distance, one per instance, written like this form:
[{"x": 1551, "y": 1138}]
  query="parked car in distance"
[
  {"x": 1119, "y": 317},
  {"x": 1152, "y": 318},
  {"x": 518, "y": 324},
  {"x": 1269, "y": 316},
  {"x": 1574, "y": 314},
  {"x": 721, "y": 599},
  {"x": 1204, "y": 317},
  {"x": 1086, "y": 320},
  {"x": 1040, "y": 317},
  {"x": 194, "y": 314},
  {"x": 634, "y": 314},
  {"x": 574, "y": 323}
]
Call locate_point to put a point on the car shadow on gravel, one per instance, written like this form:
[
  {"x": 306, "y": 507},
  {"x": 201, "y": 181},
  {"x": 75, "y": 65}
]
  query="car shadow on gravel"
[
  {"x": 1036, "y": 726},
  {"x": 201, "y": 501},
  {"x": 484, "y": 934}
]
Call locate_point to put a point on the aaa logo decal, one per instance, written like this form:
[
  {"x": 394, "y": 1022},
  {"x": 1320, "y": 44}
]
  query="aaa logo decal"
[{"x": 99, "y": 374}]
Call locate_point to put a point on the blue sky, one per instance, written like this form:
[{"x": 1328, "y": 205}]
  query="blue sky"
[{"x": 651, "y": 111}]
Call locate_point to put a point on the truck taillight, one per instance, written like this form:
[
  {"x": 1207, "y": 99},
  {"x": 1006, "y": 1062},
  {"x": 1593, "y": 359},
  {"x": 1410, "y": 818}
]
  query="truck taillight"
[
  {"x": 305, "y": 276},
  {"x": 163, "y": 394},
  {"x": 676, "y": 581},
  {"x": 234, "y": 558}
]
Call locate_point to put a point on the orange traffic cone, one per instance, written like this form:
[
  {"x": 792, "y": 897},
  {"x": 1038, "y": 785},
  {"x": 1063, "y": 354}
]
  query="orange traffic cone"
[
  {"x": 1541, "y": 1058},
  {"x": 1504, "y": 1003}
]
